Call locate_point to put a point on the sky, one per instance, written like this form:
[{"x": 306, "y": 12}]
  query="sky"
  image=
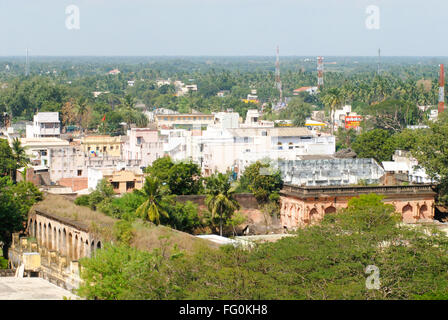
[{"x": 223, "y": 27}]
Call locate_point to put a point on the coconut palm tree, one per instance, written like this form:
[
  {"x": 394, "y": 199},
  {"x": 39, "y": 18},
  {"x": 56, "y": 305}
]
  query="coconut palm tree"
[
  {"x": 220, "y": 198},
  {"x": 19, "y": 156},
  {"x": 152, "y": 208},
  {"x": 333, "y": 97}
]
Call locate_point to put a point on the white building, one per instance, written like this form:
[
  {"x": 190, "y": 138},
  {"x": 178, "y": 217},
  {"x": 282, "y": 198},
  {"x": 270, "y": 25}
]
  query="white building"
[
  {"x": 253, "y": 120},
  {"x": 143, "y": 145},
  {"x": 404, "y": 163},
  {"x": 227, "y": 149},
  {"x": 45, "y": 125},
  {"x": 38, "y": 149},
  {"x": 330, "y": 172},
  {"x": 163, "y": 82},
  {"x": 181, "y": 144},
  {"x": 227, "y": 120}
]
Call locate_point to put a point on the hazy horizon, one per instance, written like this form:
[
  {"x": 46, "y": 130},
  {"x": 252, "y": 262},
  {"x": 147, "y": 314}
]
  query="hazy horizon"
[{"x": 218, "y": 28}]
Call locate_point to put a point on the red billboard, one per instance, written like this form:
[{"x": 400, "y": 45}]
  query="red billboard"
[{"x": 352, "y": 122}]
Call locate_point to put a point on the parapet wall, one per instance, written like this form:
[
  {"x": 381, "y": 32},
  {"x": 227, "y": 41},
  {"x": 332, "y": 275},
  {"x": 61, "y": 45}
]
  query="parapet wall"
[{"x": 302, "y": 206}]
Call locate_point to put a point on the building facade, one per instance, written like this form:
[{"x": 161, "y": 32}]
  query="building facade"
[
  {"x": 303, "y": 206},
  {"x": 45, "y": 125},
  {"x": 99, "y": 146},
  {"x": 144, "y": 145}
]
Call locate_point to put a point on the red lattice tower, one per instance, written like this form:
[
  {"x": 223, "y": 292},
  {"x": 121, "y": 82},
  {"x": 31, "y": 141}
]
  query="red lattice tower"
[{"x": 320, "y": 72}]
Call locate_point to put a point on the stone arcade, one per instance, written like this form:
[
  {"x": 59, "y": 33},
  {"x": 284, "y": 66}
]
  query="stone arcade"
[
  {"x": 56, "y": 243},
  {"x": 302, "y": 206}
]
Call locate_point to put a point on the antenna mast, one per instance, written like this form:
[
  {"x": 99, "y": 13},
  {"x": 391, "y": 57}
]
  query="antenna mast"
[{"x": 278, "y": 82}]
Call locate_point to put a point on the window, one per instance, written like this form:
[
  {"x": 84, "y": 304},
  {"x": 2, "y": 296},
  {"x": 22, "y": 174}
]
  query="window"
[
  {"x": 139, "y": 140},
  {"x": 116, "y": 185},
  {"x": 264, "y": 133},
  {"x": 79, "y": 173},
  {"x": 104, "y": 149},
  {"x": 130, "y": 185}
]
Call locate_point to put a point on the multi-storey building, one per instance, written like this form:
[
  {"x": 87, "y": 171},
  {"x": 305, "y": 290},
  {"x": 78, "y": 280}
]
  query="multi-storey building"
[
  {"x": 144, "y": 145},
  {"x": 45, "y": 125},
  {"x": 227, "y": 149},
  {"x": 184, "y": 121},
  {"x": 100, "y": 146}
]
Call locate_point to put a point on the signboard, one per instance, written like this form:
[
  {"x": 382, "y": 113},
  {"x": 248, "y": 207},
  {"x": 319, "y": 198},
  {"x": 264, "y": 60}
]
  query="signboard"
[{"x": 352, "y": 122}]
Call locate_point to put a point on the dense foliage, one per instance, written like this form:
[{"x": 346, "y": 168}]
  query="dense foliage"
[
  {"x": 15, "y": 202},
  {"x": 326, "y": 261}
]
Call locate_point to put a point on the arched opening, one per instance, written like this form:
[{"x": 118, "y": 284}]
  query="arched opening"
[
  {"x": 92, "y": 248},
  {"x": 39, "y": 234},
  {"x": 81, "y": 248},
  {"x": 64, "y": 242},
  {"x": 407, "y": 213},
  {"x": 31, "y": 227},
  {"x": 314, "y": 216},
  {"x": 55, "y": 243},
  {"x": 59, "y": 241},
  {"x": 50, "y": 237},
  {"x": 44, "y": 236},
  {"x": 330, "y": 210},
  {"x": 70, "y": 246},
  {"x": 423, "y": 212},
  {"x": 35, "y": 229},
  {"x": 75, "y": 249},
  {"x": 86, "y": 248},
  {"x": 98, "y": 245}
]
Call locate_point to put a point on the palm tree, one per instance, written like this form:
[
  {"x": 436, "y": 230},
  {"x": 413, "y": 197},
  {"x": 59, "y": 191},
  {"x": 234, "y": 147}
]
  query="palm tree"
[
  {"x": 152, "y": 208},
  {"x": 220, "y": 198},
  {"x": 332, "y": 97},
  {"x": 19, "y": 156},
  {"x": 82, "y": 112}
]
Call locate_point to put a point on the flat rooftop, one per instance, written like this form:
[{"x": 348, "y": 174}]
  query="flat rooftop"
[{"x": 12, "y": 288}]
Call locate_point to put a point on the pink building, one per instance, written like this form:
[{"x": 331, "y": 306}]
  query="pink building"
[{"x": 143, "y": 144}]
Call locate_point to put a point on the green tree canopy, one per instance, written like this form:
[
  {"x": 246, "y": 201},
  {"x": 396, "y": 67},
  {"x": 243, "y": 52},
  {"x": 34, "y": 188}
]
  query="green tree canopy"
[
  {"x": 263, "y": 181},
  {"x": 152, "y": 208},
  {"x": 376, "y": 143},
  {"x": 220, "y": 198}
]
